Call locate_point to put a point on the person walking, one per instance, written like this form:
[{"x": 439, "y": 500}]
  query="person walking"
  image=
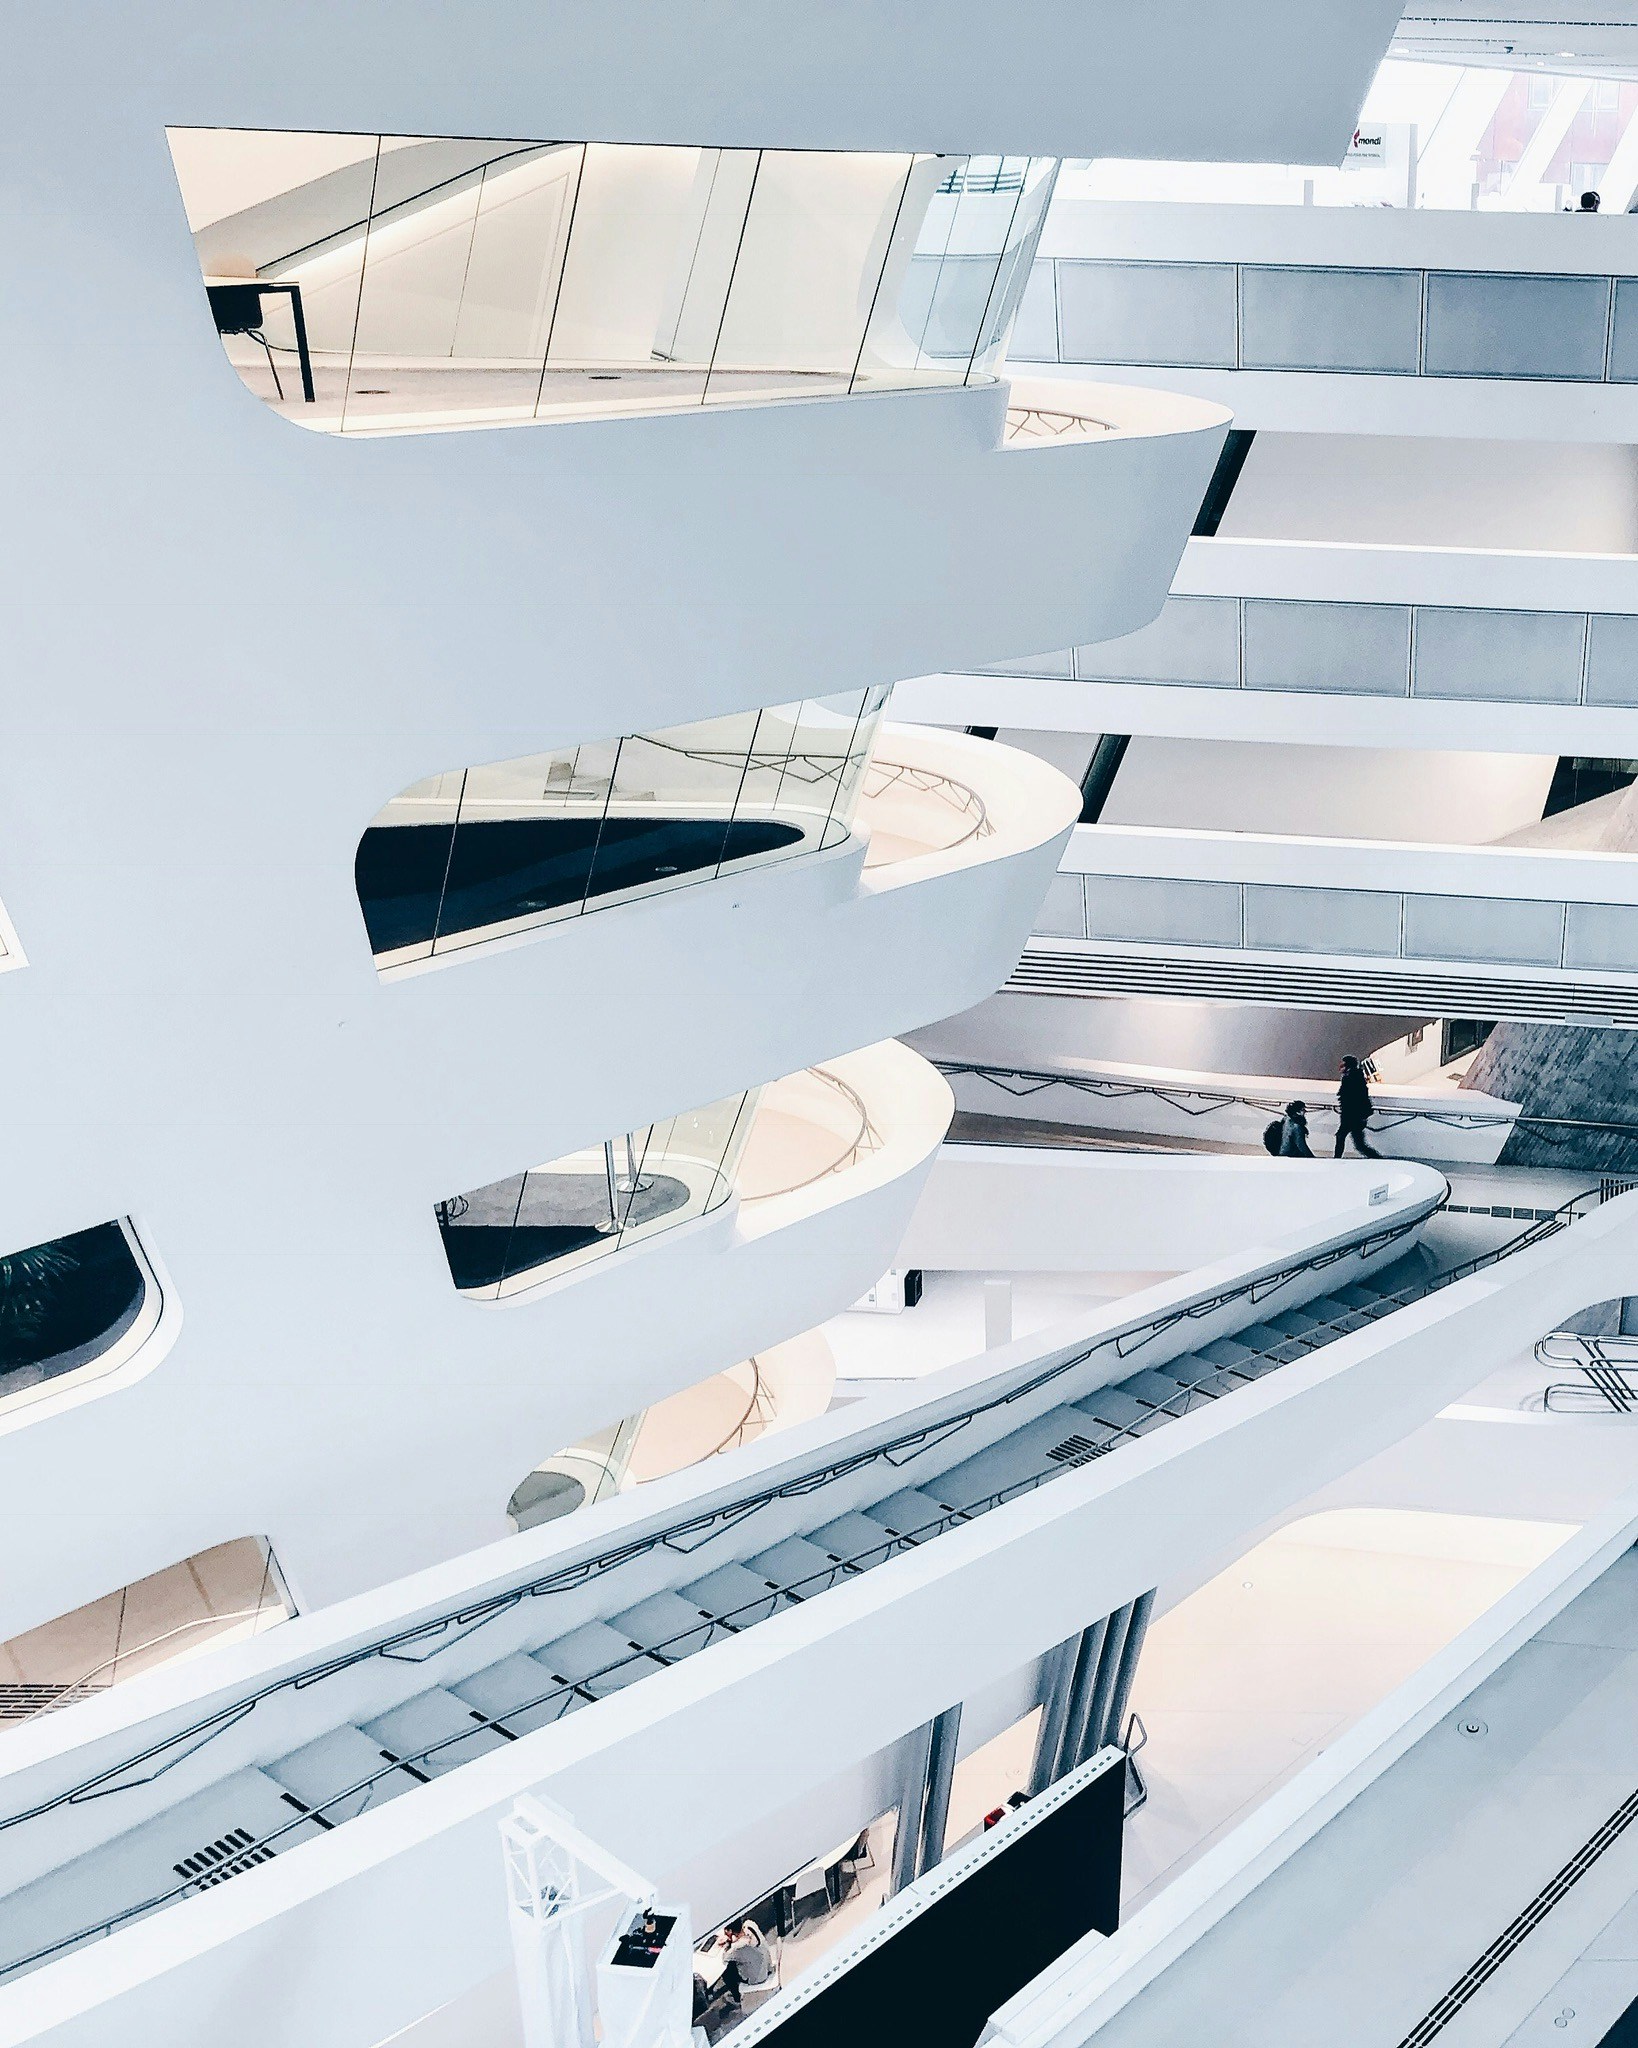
[
  {"x": 1294, "y": 1136},
  {"x": 1354, "y": 1107}
]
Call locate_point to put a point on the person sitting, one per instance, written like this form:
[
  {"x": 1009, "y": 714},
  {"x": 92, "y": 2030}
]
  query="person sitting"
[
  {"x": 1294, "y": 1134},
  {"x": 746, "y": 1957},
  {"x": 1354, "y": 1107},
  {"x": 1590, "y": 203}
]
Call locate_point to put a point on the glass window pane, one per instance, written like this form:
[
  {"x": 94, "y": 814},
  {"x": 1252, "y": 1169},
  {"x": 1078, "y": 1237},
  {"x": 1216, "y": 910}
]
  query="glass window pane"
[
  {"x": 523, "y": 845},
  {"x": 1281, "y": 919},
  {"x": 1521, "y": 933},
  {"x": 823, "y": 750},
  {"x": 280, "y": 220},
  {"x": 1016, "y": 261},
  {"x": 408, "y": 368},
  {"x": 1165, "y": 313},
  {"x": 816, "y": 239},
  {"x": 514, "y": 269},
  {"x": 891, "y": 353},
  {"x": 669, "y": 810},
  {"x": 401, "y": 867},
  {"x": 953, "y": 274},
  {"x": 1154, "y": 911},
  {"x": 864, "y": 742},
  {"x": 645, "y": 280}
]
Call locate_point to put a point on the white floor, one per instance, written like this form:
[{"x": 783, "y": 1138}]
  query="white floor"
[
  {"x": 1369, "y": 1925},
  {"x": 947, "y": 1324},
  {"x": 1249, "y": 1678}
]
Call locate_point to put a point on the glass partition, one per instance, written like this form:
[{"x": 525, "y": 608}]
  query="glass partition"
[
  {"x": 394, "y": 283},
  {"x": 580, "y": 1208},
  {"x": 477, "y": 853}
]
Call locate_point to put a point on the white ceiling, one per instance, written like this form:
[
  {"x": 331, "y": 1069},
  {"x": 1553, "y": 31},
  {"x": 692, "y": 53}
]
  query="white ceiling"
[{"x": 1587, "y": 38}]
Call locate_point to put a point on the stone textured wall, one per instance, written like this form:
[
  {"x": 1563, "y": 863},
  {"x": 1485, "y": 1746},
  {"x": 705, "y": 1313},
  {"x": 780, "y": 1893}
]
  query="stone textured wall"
[{"x": 1564, "y": 1070}]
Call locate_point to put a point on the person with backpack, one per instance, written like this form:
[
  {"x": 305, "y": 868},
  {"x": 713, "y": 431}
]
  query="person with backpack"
[
  {"x": 1354, "y": 1107},
  {"x": 1287, "y": 1136}
]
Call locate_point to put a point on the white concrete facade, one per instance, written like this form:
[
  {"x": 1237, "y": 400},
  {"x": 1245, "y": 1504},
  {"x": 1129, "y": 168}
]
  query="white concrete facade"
[{"x": 233, "y": 644}]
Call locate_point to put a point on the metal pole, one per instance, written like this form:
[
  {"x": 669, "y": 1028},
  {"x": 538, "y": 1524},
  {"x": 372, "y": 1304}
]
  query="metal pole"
[
  {"x": 613, "y": 1224},
  {"x": 1131, "y": 1650},
  {"x": 941, "y": 1763},
  {"x": 1058, "y": 1679}
]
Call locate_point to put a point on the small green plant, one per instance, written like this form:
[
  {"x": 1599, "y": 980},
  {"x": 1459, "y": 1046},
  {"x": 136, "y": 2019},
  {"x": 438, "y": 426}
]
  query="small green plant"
[{"x": 29, "y": 1284}]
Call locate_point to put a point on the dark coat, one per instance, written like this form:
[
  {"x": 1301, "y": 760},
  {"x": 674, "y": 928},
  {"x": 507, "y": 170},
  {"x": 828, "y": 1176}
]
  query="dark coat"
[
  {"x": 1354, "y": 1103},
  {"x": 1294, "y": 1139}
]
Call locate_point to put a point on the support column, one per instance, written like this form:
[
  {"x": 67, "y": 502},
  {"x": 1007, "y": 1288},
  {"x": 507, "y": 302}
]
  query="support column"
[
  {"x": 1057, "y": 1683},
  {"x": 912, "y": 1805},
  {"x": 1103, "y": 1692},
  {"x": 1131, "y": 1650},
  {"x": 941, "y": 1763},
  {"x": 1080, "y": 1700}
]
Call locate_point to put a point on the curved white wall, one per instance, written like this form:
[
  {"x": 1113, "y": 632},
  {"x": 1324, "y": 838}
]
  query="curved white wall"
[{"x": 232, "y": 642}]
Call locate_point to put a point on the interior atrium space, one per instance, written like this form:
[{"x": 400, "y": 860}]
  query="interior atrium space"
[{"x": 819, "y": 1213}]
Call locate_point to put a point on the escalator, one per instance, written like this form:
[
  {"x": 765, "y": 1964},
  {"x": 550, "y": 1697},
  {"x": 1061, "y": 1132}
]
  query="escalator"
[{"x": 680, "y": 1582}]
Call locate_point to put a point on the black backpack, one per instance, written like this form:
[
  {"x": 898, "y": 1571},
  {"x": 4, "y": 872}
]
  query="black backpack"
[{"x": 1273, "y": 1134}]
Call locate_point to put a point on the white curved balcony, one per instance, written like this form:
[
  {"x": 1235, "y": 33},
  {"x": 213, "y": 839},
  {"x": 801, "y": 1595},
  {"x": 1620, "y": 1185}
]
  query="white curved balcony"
[
  {"x": 625, "y": 1319},
  {"x": 378, "y": 284},
  {"x": 874, "y": 907}
]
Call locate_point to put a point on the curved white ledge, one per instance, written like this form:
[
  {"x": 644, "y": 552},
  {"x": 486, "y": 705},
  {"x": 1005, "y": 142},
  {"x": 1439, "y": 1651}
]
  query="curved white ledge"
[{"x": 997, "y": 804}]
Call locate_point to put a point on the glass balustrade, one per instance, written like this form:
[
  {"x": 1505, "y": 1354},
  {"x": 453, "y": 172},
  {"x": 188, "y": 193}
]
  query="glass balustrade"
[
  {"x": 480, "y": 853},
  {"x": 65, "y": 1305},
  {"x": 603, "y": 1199},
  {"x": 392, "y": 283},
  {"x": 767, "y": 1143}
]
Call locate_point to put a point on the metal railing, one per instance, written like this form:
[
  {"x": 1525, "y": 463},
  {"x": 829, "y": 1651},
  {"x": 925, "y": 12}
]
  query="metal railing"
[
  {"x": 81, "y": 1688},
  {"x": 862, "y": 1138},
  {"x": 1022, "y": 1083},
  {"x": 424, "y": 1640},
  {"x": 1046, "y": 423},
  {"x": 1608, "y": 1368},
  {"x": 970, "y": 813}
]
